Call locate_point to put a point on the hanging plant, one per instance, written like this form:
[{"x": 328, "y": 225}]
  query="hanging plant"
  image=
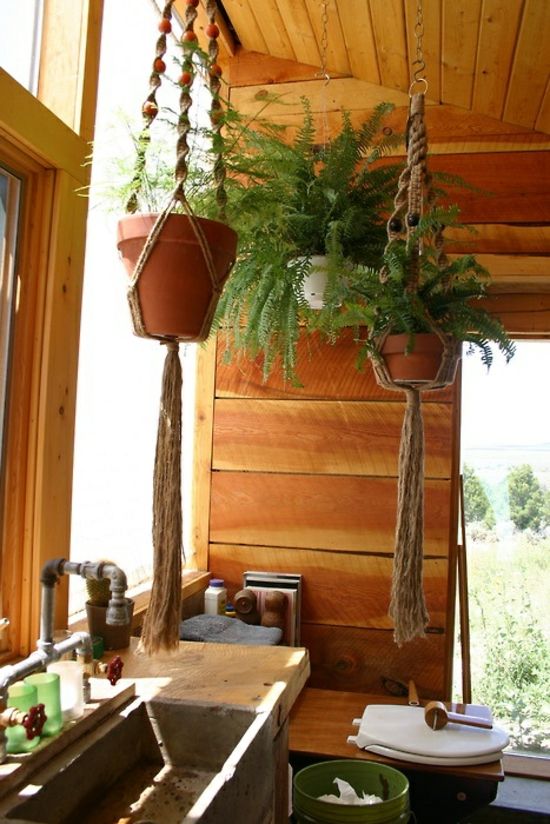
[
  {"x": 415, "y": 312},
  {"x": 177, "y": 264},
  {"x": 295, "y": 202}
]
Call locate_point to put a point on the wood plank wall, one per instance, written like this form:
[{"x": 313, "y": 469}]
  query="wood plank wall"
[{"x": 304, "y": 480}]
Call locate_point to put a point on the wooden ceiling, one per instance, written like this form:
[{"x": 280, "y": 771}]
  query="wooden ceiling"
[
  {"x": 488, "y": 73},
  {"x": 488, "y": 56}
]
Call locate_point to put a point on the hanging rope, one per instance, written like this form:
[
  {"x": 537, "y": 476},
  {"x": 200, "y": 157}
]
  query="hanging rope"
[
  {"x": 162, "y": 619},
  {"x": 407, "y": 604}
]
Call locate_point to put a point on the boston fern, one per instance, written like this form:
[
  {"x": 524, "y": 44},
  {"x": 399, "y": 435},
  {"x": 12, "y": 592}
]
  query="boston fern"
[
  {"x": 289, "y": 200},
  {"x": 444, "y": 297}
]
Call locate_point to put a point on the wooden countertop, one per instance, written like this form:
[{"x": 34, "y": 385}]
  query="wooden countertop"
[
  {"x": 321, "y": 721},
  {"x": 258, "y": 678}
]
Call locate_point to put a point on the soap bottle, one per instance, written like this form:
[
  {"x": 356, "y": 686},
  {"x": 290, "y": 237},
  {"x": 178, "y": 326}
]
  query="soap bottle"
[{"x": 215, "y": 597}]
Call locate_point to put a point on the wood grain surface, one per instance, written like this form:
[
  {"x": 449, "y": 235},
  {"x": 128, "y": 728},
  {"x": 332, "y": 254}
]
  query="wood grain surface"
[
  {"x": 326, "y": 371},
  {"x": 331, "y": 437},
  {"x": 320, "y": 511},
  {"x": 358, "y": 659},
  {"x": 339, "y": 589}
]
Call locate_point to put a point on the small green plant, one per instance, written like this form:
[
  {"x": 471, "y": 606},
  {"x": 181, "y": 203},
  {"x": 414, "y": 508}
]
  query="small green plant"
[
  {"x": 99, "y": 591},
  {"x": 443, "y": 295}
]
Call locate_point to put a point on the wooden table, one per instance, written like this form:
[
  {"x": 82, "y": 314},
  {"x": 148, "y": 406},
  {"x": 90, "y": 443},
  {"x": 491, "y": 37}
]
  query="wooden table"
[{"x": 321, "y": 721}]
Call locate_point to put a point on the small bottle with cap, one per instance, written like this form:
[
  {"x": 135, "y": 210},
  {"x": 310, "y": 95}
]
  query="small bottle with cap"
[{"x": 215, "y": 597}]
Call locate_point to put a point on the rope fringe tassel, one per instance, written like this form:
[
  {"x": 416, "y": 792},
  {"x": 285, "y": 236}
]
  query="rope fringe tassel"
[
  {"x": 162, "y": 620},
  {"x": 407, "y": 605}
]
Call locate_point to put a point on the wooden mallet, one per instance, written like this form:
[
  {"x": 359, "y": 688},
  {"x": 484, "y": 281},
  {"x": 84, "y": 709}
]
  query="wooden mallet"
[{"x": 437, "y": 716}]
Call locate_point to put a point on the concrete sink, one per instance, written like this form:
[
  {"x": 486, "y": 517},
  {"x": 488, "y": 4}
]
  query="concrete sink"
[{"x": 155, "y": 762}]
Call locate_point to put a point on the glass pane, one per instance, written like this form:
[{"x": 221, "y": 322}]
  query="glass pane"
[
  {"x": 20, "y": 29},
  {"x": 119, "y": 374},
  {"x": 9, "y": 212},
  {"x": 506, "y": 469},
  {"x": 9, "y": 218}
]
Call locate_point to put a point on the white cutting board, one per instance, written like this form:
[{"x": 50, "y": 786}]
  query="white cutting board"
[{"x": 404, "y": 728}]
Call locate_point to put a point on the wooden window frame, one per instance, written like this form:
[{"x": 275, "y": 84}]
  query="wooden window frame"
[{"x": 46, "y": 142}]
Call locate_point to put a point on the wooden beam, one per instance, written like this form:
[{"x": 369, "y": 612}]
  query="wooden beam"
[
  {"x": 250, "y": 68},
  {"x": 197, "y": 557},
  {"x": 68, "y": 73}
]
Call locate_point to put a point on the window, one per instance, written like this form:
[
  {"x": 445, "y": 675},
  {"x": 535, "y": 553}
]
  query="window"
[
  {"x": 119, "y": 376},
  {"x": 506, "y": 470},
  {"x": 20, "y": 32},
  {"x": 41, "y": 324}
]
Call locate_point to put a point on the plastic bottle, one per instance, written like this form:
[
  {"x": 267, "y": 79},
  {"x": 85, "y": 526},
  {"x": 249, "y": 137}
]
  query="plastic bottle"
[{"x": 215, "y": 597}]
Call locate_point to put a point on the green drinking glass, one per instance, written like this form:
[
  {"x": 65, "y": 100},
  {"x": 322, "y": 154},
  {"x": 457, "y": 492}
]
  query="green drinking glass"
[
  {"x": 23, "y": 696},
  {"x": 48, "y": 689}
]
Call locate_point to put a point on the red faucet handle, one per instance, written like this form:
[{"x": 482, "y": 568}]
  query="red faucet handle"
[
  {"x": 114, "y": 669},
  {"x": 34, "y": 720}
]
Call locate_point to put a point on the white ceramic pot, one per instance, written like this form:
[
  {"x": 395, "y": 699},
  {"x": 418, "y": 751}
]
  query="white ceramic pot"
[{"x": 315, "y": 282}]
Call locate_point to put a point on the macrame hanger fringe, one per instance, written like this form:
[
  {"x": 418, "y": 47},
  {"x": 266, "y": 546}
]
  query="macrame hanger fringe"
[
  {"x": 407, "y": 604},
  {"x": 162, "y": 619},
  {"x": 163, "y": 616}
]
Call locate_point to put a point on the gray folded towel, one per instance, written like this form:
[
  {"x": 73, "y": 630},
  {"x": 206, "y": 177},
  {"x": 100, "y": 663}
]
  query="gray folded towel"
[{"x": 225, "y": 630}]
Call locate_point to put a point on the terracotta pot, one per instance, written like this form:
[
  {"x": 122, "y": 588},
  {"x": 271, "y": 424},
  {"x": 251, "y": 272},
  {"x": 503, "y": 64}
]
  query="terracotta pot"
[
  {"x": 175, "y": 289},
  {"x": 421, "y": 365},
  {"x": 114, "y": 637}
]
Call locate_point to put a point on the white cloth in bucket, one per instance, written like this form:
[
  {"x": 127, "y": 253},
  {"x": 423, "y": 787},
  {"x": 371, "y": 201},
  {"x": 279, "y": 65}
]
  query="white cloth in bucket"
[{"x": 349, "y": 796}]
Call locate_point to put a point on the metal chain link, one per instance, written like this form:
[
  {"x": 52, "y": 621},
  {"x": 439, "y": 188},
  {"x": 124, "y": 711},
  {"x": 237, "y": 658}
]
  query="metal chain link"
[
  {"x": 419, "y": 62},
  {"x": 324, "y": 42}
]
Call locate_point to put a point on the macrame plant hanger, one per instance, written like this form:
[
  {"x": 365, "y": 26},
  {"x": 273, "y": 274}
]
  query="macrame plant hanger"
[
  {"x": 407, "y": 605},
  {"x": 161, "y": 624}
]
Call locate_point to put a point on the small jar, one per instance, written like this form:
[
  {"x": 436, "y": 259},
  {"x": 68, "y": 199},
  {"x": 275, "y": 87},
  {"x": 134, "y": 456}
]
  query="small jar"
[{"x": 215, "y": 597}]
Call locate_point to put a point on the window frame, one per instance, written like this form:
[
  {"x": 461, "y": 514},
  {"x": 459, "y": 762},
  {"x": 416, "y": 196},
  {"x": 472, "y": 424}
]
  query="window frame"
[{"x": 51, "y": 157}]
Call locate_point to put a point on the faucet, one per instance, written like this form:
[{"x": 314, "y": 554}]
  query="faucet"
[{"x": 47, "y": 651}]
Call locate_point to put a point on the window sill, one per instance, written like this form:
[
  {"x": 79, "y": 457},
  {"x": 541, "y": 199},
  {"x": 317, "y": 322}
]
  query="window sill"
[
  {"x": 527, "y": 766},
  {"x": 192, "y": 582}
]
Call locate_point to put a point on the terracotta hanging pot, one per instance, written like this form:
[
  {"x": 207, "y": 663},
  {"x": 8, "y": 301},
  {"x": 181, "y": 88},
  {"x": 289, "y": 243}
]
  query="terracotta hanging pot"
[
  {"x": 421, "y": 365},
  {"x": 175, "y": 289}
]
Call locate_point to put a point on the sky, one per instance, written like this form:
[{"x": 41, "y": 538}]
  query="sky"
[{"x": 510, "y": 404}]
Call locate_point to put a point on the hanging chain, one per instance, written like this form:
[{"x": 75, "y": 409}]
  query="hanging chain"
[
  {"x": 419, "y": 64},
  {"x": 324, "y": 42}
]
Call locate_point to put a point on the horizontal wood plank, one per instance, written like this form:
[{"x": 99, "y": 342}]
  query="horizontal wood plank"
[
  {"x": 320, "y": 512},
  {"x": 325, "y": 370},
  {"x": 341, "y": 589},
  {"x": 514, "y": 186},
  {"x": 330, "y": 437},
  {"x": 358, "y": 659},
  {"x": 522, "y": 315},
  {"x": 496, "y": 239}
]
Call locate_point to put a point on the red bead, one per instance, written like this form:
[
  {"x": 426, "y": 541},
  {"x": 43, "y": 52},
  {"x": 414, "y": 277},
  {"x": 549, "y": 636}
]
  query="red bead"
[
  {"x": 189, "y": 36},
  {"x": 216, "y": 70},
  {"x": 150, "y": 109},
  {"x": 165, "y": 25},
  {"x": 193, "y": 3},
  {"x": 212, "y": 31},
  {"x": 185, "y": 79},
  {"x": 159, "y": 66}
]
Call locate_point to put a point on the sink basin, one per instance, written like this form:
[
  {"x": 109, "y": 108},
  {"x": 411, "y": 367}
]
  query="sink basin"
[{"x": 156, "y": 762}]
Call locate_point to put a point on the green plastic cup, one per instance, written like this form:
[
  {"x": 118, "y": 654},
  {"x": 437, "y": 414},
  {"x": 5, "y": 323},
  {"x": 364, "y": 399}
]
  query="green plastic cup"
[
  {"x": 364, "y": 776},
  {"x": 48, "y": 692},
  {"x": 23, "y": 696}
]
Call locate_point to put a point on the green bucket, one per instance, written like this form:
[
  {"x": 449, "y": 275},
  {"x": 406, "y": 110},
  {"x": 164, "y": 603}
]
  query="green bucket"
[{"x": 364, "y": 776}]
